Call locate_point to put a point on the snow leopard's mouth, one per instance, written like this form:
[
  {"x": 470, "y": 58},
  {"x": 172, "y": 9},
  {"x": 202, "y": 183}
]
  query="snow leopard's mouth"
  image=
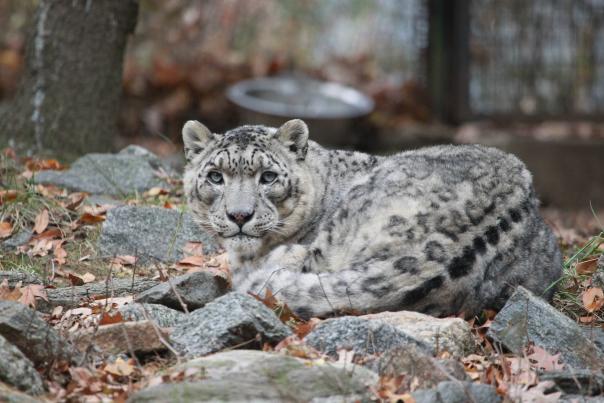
[{"x": 240, "y": 235}]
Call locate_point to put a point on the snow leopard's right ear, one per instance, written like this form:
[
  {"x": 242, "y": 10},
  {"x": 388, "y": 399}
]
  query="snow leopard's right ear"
[
  {"x": 294, "y": 136},
  {"x": 195, "y": 137}
]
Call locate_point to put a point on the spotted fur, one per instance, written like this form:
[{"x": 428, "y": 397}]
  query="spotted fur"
[{"x": 442, "y": 230}]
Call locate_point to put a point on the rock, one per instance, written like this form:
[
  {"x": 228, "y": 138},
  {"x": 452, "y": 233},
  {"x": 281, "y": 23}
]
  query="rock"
[
  {"x": 525, "y": 315},
  {"x": 364, "y": 337},
  {"x": 457, "y": 392},
  {"x": 25, "y": 328},
  {"x": 16, "y": 240},
  {"x": 14, "y": 277},
  {"x": 195, "y": 290},
  {"x": 17, "y": 370},
  {"x": 150, "y": 233},
  {"x": 419, "y": 369},
  {"x": 132, "y": 170},
  {"x": 596, "y": 335},
  {"x": 582, "y": 382},
  {"x": 449, "y": 334},
  {"x": 12, "y": 395},
  {"x": 247, "y": 375},
  {"x": 72, "y": 297},
  {"x": 231, "y": 320},
  {"x": 125, "y": 337},
  {"x": 161, "y": 315}
]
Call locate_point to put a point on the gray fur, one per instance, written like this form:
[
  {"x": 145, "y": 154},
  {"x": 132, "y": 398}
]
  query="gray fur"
[{"x": 441, "y": 230}]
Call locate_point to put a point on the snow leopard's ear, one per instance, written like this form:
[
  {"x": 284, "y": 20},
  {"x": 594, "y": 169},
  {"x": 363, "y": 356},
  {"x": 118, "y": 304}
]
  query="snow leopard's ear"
[
  {"x": 294, "y": 136},
  {"x": 195, "y": 137}
]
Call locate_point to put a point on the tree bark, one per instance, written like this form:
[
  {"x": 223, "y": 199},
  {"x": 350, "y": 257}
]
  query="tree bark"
[{"x": 68, "y": 101}]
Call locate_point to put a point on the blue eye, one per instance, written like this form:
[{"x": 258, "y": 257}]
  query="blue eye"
[
  {"x": 215, "y": 177},
  {"x": 268, "y": 177}
]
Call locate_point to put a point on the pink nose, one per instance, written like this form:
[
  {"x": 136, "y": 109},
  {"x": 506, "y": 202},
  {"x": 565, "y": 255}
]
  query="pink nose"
[{"x": 240, "y": 217}]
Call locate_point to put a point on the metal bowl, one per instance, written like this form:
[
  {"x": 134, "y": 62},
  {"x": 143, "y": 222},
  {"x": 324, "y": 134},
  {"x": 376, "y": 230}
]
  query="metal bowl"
[{"x": 331, "y": 110}]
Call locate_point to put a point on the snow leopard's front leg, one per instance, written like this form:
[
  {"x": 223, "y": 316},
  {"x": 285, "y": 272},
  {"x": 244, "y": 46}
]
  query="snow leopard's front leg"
[{"x": 298, "y": 275}]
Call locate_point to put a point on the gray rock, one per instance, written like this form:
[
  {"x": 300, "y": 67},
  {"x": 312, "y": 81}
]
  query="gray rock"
[
  {"x": 582, "y": 382},
  {"x": 526, "y": 318},
  {"x": 161, "y": 315},
  {"x": 457, "y": 392},
  {"x": 14, "y": 277},
  {"x": 72, "y": 297},
  {"x": 596, "y": 335},
  {"x": 364, "y": 337},
  {"x": 151, "y": 233},
  {"x": 195, "y": 290},
  {"x": 453, "y": 335},
  {"x": 17, "y": 370},
  {"x": 247, "y": 375},
  {"x": 122, "y": 174},
  {"x": 16, "y": 240},
  {"x": 420, "y": 369},
  {"x": 9, "y": 394},
  {"x": 231, "y": 320},
  {"x": 25, "y": 328}
]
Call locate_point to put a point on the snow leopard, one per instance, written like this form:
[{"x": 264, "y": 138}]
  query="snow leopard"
[{"x": 443, "y": 230}]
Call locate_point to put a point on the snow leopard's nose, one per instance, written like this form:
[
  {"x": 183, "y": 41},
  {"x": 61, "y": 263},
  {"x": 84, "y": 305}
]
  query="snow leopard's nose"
[{"x": 240, "y": 217}]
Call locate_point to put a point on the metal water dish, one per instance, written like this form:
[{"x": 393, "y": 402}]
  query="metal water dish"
[{"x": 331, "y": 110}]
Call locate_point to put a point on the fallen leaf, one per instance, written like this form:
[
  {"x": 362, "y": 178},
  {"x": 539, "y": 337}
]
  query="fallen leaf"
[
  {"x": 541, "y": 359},
  {"x": 123, "y": 260},
  {"x": 6, "y": 229},
  {"x": 304, "y": 328},
  {"x": 88, "y": 218},
  {"x": 593, "y": 299},
  {"x": 191, "y": 261},
  {"x": 8, "y": 195},
  {"x": 60, "y": 254},
  {"x": 74, "y": 279},
  {"x": 88, "y": 278},
  {"x": 155, "y": 191},
  {"x": 41, "y": 222},
  {"x": 75, "y": 199},
  {"x": 193, "y": 249},
  {"x": 39, "y": 165},
  {"x": 280, "y": 308},
  {"x": 48, "y": 234},
  {"x": 108, "y": 318},
  {"x": 587, "y": 266},
  {"x": 8, "y": 294},
  {"x": 119, "y": 368},
  {"x": 30, "y": 292}
]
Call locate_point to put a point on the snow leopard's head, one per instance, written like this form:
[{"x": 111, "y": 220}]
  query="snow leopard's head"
[{"x": 249, "y": 186}]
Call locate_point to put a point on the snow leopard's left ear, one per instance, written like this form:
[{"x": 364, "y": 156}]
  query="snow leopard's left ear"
[
  {"x": 294, "y": 136},
  {"x": 195, "y": 137}
]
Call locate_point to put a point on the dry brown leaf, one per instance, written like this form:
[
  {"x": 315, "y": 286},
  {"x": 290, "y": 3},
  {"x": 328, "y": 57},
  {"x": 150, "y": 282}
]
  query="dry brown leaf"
[
  {"x": 304, "y": 328},
  {"x": 155, "y": 191},
  {"x": 88, "y": 277},
  {"x": 88, "y": 218},
  {"x": 8, "y": 294},
  {"x": 587, "y": 266},
  {"x": 167, "y": 204},
  {"x": 38, "y": 165},
  {"x": 7, "y": 195},
  {"x": 59, "y": 253},
  {"x": 75, "y": 199},
  {"x": 41, "y": 222},
  {"x": 74, "y": 279},
  {"x": 119, "y": 368},
  {"x": 280, "y": 308},
  {"x": 193, "y": 249},
  {"x": 30, "y": 292},
  {"x": 108, "y": 318},
  {"x": 189, "y": 261},
  {"x": 593, "y": 299},
  {"x": 123, "y": 260},
  {"x": 6, "y": 229},
  {"x": 48, "y": 234},
  {"x": 541, "y": 359}
]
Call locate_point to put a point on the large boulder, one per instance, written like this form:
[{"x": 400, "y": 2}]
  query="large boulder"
[
  {"x": 151, "y": 233},
  {"x": 233, "y": 320},
  {"x": 194, "y": 289},
  {"x": 132, "y": 170},
  {"x": 453, "y": 335},
  {"x": 247, "y": 375},
  {"x": 25, "y": 329},
  {"x": 364, "y": 337},
  {"x": 526, "y": 318},
  {"x": 17, "y": 370}
]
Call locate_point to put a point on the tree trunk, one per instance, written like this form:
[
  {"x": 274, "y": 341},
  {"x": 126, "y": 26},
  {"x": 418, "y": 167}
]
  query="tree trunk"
[{"x": 68, "y": 101}]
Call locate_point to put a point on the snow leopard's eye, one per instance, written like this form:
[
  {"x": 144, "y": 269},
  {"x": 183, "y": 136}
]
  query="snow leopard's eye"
[
  {"x": 268, "y": 177},
  {"x": 215, "y": 177}
]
